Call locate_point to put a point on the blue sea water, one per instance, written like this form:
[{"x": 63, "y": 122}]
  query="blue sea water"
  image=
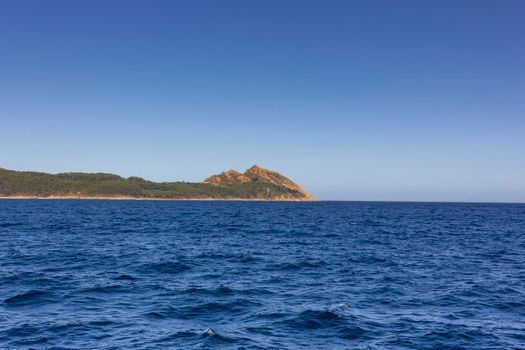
[{"x": 86, "y": 274}]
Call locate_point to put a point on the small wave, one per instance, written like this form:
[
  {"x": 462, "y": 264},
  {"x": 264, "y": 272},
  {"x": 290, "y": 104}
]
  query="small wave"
[
  {"x": 313, "y": 319},
  {"x": 307, "y": 264},
  {"x": 128, "y": 230},
  {"x": 272, "y": 315},
  {"x": 510, "y": 305},
  {"x": 225, "y": 291},
  {"x": 339, "y": 307},
  {"x": 342, "y": 325},
  {"x": 212, "y": 255},
  {"x": 209, "y": 309},
  {"x": 10, "y": 224},
  {"x": 105, "y": 289},
  {"x": 210, "y": 334},
  {"x": 65, "y": 327},
  {"x": 444, "y": 336},
  {"x": 219, "y": 291},
  {"x": 125, "y": 278},
  {"x": 101, "y": 323},
  {"x": 266, "y": 331},
  {"x": 178, "y": 336},
  {"x": 20, "y": 331},
  {"x": 168, "y": 267},
  {"x": 32, "y": 297},
  {"x": 207, "y": 336},
  {"x": 216, "y": 307},
  {"x": 245, "y": 258},
  {"x": 154, "y": 314},
  {"x": 34, "y": 340}
]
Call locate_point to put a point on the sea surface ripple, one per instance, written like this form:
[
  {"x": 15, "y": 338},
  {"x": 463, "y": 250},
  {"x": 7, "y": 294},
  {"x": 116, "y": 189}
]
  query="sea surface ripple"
[{"x": 87, "y": 274}]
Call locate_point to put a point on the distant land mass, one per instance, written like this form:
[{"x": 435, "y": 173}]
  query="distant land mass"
[{"x": 255, "y": 183}]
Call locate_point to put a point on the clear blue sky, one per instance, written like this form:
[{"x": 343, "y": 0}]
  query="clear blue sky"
[{"x": 364, "y": 100}]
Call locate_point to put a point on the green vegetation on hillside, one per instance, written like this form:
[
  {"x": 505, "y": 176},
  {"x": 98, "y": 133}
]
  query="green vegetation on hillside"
[{"x": 35, "y": 184}]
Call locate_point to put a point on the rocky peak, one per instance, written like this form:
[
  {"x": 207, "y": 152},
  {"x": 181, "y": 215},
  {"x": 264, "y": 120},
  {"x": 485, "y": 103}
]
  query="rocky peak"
[
  {"x": 255, "y": 170},
  {"x": 226, "y": 178},
  {"x": 257, "y": 174}
]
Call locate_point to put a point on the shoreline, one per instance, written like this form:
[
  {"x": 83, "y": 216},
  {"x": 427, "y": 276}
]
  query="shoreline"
[{"x": 124, "y": 198}]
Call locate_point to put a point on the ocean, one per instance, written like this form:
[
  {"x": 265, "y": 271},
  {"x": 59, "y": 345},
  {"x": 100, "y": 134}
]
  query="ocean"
[{"x": 89, "y": 274}]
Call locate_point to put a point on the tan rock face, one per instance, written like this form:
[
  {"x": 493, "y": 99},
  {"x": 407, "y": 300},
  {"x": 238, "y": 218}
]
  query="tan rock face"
[
  {"x": 226, "y": 178},
  {"x": 261, "y": 175}
]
